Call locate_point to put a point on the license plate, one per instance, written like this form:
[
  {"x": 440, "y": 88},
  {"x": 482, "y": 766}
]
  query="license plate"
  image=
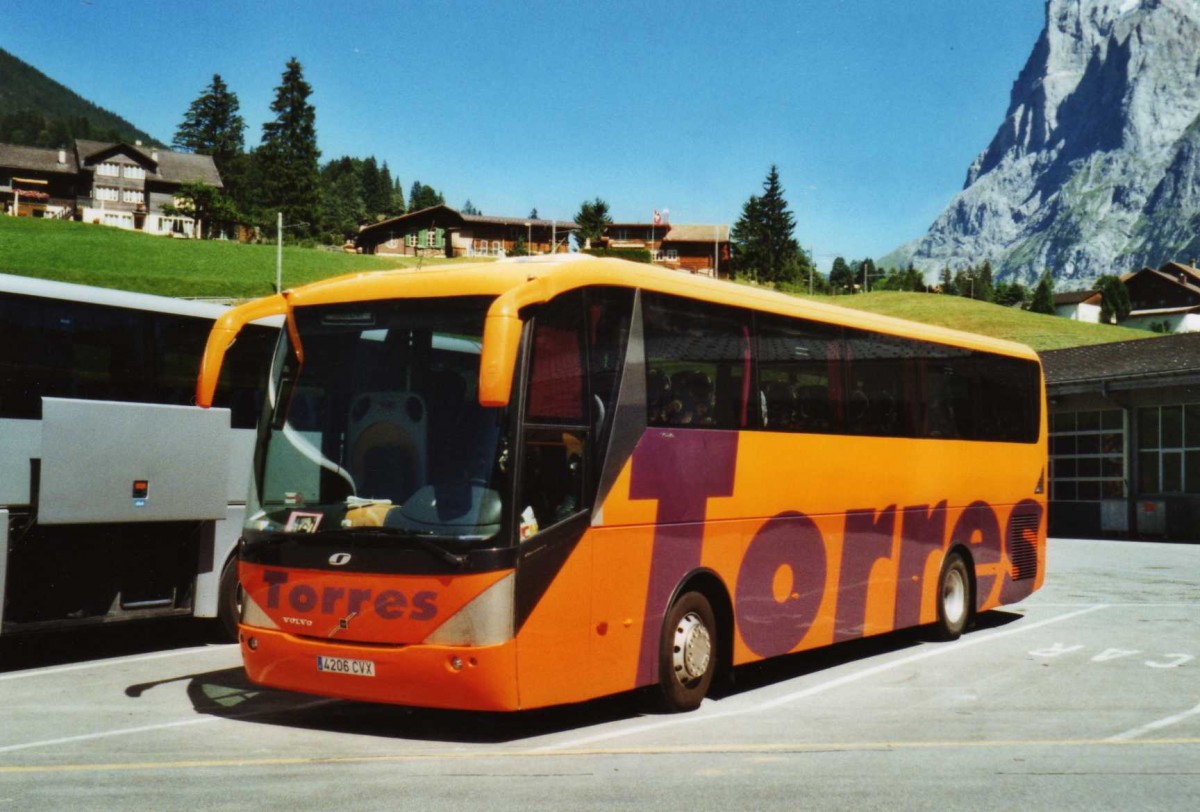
[{"x": 342, "y": 665}]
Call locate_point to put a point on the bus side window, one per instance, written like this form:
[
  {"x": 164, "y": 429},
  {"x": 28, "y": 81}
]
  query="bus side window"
[
  {"x": 798, "y": 372},
  {"x": 699, "y": 365}
]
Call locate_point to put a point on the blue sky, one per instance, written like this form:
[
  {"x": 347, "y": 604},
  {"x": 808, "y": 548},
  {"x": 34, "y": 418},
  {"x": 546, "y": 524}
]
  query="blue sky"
[{"x": 872, "y": 109}]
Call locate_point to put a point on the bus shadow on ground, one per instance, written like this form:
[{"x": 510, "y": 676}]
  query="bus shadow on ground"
[{"x": 227, "y": 693}]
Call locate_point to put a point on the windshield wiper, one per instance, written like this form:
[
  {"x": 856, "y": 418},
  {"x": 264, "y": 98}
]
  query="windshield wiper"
[{"x": 456, "y": 560}]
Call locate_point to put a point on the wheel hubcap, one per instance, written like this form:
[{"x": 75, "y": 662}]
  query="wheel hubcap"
[
  {"x": 692, "y": 648},
  {"x": 954, "y": 596}
]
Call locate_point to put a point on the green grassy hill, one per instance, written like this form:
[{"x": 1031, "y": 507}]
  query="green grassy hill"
[
  {"x": 114, "y": 258},
  {"x": 1037, "y": 330},
  {"x": 109, "y": 257}
]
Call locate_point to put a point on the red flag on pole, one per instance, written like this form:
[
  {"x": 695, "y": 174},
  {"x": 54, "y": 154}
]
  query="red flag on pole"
[{"x": 657, "y": 217}]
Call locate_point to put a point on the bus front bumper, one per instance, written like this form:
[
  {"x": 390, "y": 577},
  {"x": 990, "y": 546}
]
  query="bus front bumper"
[{"x": 458, "y": 677}]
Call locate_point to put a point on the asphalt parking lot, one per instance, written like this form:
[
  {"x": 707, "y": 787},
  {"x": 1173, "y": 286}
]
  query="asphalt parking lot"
[{"x": 1084, "y": 696}]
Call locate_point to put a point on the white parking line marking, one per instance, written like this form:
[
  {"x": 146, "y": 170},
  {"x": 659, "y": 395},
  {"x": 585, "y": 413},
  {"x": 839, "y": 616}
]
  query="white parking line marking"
[
  {"x": 933, "y": 651},
  {"x": 106, "y": 733},
  {"x": 63, "y": 669},
  {"x": 1150, "y": 727},
  {"x": 199, "y": 720}
]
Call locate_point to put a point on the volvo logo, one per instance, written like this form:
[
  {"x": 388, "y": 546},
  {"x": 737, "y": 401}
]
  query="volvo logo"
[{"x": 339, "y": 559}]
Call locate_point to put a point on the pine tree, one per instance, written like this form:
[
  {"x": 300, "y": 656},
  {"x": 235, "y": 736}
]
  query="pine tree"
[
  {"x": 749, "y": 257},
  {"x": 533, "y": 215},
  {"x": 841, "y": 276},
  {"x": 288, "y": 155},
  {"x": 386, "y": 188},
  {"x": 1114, "y": 299},
  {"x": 986, "y": 291},
  {"x": 342, "y": 204},
  {"x": 468, "y": 207},
  {"x": 592, "y": 219},
  {"x": 376, "y": 196},
  {"x": 1043, "y": 295},
  {"x": 946, "y": 281},
  {"x": 763, "y": 242},
  {"x": 423, "y": 197},
  {"x": 398, "y": 205},
  {"x": 212, "y": 125}
]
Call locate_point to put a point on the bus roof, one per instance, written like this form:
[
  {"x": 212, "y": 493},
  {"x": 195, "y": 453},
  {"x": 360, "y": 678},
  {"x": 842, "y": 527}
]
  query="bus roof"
[
  {"x": 67, "y": 291},
  {"x": 553, "y": 274}
]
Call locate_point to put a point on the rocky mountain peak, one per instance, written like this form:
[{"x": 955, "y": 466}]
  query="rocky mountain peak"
[{"x": 1093, "y": 169}]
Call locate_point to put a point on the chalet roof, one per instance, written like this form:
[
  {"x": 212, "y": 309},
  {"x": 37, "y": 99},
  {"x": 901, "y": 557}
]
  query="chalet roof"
[
  {"x": 563, "y": 225},
  {"x": 161, "y": 164},
  {"x": 1192, "y": 275},
  {"x": 697, "y": 233},
  {"x": 36, "y": 159},
  {"x": 1162, "y": 358},
  {"x": 1174, "y": 272},
  {"x": 1074, "y": 297},
  {"x": 187, "y": 167},
  {"x": 680, "y": 232}
]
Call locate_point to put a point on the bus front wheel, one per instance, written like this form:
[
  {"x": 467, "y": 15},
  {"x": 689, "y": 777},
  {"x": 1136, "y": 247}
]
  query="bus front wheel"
[
  {"x": 687, "y": 653},
  {"x": 953, "y": 598}
]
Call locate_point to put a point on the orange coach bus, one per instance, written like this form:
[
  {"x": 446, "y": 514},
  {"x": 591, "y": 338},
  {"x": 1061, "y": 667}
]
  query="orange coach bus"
[{"x": 532, "y": 482}]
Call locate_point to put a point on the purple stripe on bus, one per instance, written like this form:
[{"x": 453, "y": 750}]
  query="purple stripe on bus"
[
  {"x": 1013, "y": 591},
  {"x": 768, "y": 626},
  {"x": 978, "y": 528},
  {"x": 681, "y": 469},
  {"x": 922, "y": 531},
  {"x": 868, "y": 538}
]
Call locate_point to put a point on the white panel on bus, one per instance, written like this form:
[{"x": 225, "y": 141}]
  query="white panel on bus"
[
  {"x": 96, "y": 453},
  {"x": 20, "y": 441}
]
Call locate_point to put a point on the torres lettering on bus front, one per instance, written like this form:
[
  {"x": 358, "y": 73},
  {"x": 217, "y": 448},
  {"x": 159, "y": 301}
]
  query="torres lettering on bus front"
[{"x": 389, "y": 604}]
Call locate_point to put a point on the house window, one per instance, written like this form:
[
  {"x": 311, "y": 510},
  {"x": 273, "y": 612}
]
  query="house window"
[
  {"x": 134, "y": 171},
  {"x": 672, "y": 255},
  {"x": 108, "y": 170},
  {"x": 132, "y": 196},
  {"x": 497, "y": 247},
  {"x": 431, "y": 240},
  {"x": 411, "y": 240},
  {"x": 1087, "y": 456},
  {"x": 118, "y": 220},
  {"x": 1169, "y": 449},
  {"x": 107, "y": 193}
]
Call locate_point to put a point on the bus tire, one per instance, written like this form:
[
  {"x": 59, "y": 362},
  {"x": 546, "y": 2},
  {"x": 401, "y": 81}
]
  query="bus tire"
[
  {"x": 229, "y": 599},
  {"x": 953, "y": 598},
  {"x": 687, "y": 653}
]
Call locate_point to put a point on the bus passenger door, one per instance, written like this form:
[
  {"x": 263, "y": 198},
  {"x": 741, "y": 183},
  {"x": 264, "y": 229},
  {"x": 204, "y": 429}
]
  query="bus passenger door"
[
  {"x": 553, "y": 602},
  {"x": 575, "y": 353}
]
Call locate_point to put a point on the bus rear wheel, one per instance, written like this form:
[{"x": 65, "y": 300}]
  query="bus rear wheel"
[
  {"x": 953, "y": 598},
  {"x": 687, "y": 653}
]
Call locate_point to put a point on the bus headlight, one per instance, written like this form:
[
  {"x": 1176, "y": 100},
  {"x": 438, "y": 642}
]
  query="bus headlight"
[
  {"x": 253, "y": 615},
  {"x": 485, "y": 621}
]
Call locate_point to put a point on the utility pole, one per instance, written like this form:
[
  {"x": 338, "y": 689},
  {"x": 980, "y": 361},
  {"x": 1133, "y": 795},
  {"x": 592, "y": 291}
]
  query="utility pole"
[{"x": 279, "y": 253}]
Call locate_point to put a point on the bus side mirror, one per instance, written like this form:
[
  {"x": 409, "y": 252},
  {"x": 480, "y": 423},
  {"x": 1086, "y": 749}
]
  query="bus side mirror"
[
  {"x": 501, "y": 342},
  {"x": 224, "y": 333}
]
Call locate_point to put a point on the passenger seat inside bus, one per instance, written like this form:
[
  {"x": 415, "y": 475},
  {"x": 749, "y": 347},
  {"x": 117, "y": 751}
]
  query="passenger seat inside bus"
[{"x": 387, "y": 440}]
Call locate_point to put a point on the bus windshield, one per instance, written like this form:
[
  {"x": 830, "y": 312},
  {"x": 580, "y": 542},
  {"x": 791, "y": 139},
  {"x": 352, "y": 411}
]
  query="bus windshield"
[{"x": 379, "y": 428}]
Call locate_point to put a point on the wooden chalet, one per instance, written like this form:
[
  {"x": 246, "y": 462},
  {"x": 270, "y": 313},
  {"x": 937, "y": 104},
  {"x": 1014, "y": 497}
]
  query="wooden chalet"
[
  {"x": 441, "y": 231},
  {"x": 698, "y": 249}
]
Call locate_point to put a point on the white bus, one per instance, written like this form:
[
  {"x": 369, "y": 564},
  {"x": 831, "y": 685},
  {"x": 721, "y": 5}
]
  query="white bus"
[{"x": 119, "y": 499}]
